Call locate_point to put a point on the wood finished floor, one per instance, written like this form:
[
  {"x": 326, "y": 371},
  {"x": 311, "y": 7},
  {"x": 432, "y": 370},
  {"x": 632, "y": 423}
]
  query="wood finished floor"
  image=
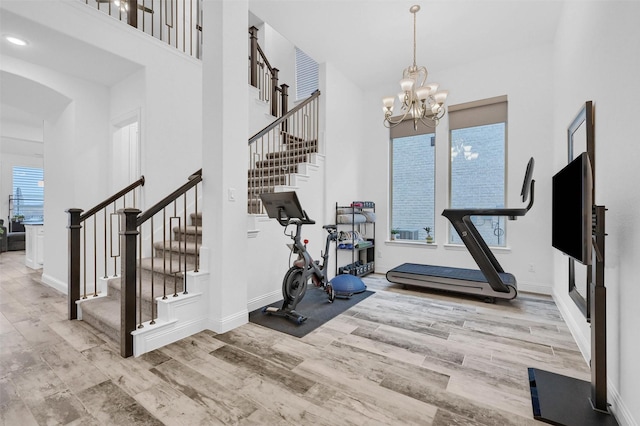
[{"x": 399, "y": 357}]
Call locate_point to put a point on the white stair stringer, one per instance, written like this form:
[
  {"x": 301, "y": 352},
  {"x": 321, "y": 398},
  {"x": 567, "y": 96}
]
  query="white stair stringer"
[
  {"x": 178, "y": 317},
  {"x": 304, "y": 174}
]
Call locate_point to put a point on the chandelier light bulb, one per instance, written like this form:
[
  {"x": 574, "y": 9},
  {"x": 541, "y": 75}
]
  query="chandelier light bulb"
[
  {"x": 406, "y": 84},
  {"x": 388, "y": 102},
  {"x": 422, "y": 93},
  {"x": 441, "y": 96}
]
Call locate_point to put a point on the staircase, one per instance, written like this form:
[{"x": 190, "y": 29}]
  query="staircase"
[
  {"x": 161, "y": 276},
  {"x": 279, "y": 168}
]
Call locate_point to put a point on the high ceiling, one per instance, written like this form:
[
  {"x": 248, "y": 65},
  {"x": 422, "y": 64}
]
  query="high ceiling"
[
  {"x": 371, "y": 41},
  {"x": 55, "y": 51}
]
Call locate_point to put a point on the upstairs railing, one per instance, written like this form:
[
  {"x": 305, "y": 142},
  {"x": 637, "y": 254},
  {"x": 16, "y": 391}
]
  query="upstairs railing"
[
  {"x": 276, "y": 151},
  {"x": 175, "y": 22},
  {"x": 94, "y": 244},
  {"x": 162, "y": 233},
  {"x": 265, "y": 78}
]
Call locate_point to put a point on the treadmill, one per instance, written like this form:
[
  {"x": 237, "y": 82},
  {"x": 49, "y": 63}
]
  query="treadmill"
[{"x": 491, "y": 281}]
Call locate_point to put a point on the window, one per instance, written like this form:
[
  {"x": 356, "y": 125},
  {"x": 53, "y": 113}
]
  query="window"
[
  {"x": 306, "y": 75},
  {"x": 412, "y": 181},
  {"x": 27, "y": 199},
  {"x": 478, "y": 132}
]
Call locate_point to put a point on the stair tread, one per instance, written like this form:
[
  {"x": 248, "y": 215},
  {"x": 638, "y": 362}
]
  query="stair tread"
[
  {"x": 159, "y": 264},
  {"x": 177, "y": 246},
  {"x": 158, "y": 288},
  {"x": 189, "y": 229}
]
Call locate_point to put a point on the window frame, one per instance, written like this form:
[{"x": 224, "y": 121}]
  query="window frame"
[
  {"x": 402, "y": 130},
  {"x": 472, "y": 114},
  {"x": 29, "y": 196}
]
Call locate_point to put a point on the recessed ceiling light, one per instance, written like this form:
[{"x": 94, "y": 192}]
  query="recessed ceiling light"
[{"x": 16, "y": 40}]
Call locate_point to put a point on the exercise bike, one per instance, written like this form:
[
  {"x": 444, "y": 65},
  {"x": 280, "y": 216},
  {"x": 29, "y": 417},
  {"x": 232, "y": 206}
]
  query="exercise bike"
[{"x": 285, "y": 207}]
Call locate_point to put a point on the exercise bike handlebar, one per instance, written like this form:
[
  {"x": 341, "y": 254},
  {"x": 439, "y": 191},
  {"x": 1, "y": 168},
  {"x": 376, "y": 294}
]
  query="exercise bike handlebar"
[{"x": 285, "y": 220}]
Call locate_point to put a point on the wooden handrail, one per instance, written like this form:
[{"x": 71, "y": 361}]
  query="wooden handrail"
[
  {"x": 284, "y": 117},
  {"x": 114, "y": 197},
  {"x": 270, "y": 91},
  {"x": 266, "y": 61},
  {"x": 194, "y": 179}
]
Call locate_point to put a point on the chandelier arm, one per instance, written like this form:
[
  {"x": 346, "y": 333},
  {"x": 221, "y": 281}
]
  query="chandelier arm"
[{"x": 392, "y": 123}]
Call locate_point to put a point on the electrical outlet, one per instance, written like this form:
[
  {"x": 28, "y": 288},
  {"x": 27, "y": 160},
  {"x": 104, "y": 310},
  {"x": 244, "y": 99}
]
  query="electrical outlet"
[{"x": 531, "y": 268}]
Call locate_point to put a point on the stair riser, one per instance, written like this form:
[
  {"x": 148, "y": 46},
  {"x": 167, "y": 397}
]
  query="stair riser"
[
  {"x": 191, "y": 238},
  {"x": 115, "y": 293},
  {"x": 274, "y": 171},
  {"x": 303, "y": 145},
  {"x": 114, "y": 286},
  {"x": 285, "y": 164},
  {"x": 98, "y": 324},
  {"x": 146, "y": 305},
  {"x": 196, "y": 220},
  {"x": 291, "y": 153},
  {"x": 268, "y": 181},
  {"x": 169, "y": 255},
  {"x": 159, "y": 279}
]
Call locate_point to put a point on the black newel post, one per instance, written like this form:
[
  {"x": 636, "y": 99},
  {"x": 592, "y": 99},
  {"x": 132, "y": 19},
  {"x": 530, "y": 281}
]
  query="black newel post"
[
  {"x": 128, "y": 243},
  {"x": 253, "y": 31},
  {"x": 74, "y": 261}
]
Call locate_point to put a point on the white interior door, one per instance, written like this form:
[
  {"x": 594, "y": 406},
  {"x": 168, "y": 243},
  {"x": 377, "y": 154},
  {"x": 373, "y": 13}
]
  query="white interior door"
[{"x": 125, "y": 159}]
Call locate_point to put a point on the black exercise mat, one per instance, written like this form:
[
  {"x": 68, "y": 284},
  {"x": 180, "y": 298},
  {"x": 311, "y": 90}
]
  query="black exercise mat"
[{"x": 315, "y": 306}]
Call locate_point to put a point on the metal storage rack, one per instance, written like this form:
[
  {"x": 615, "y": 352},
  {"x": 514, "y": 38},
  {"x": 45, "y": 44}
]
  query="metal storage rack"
[{"x": 363, "y": 253}]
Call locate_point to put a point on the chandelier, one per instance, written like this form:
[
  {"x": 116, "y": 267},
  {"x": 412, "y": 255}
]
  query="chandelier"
[{"x": 418, "y": 100}]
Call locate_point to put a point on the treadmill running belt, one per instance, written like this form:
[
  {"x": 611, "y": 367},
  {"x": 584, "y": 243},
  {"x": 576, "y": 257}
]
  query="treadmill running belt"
[{"x": 448, "y": 272}]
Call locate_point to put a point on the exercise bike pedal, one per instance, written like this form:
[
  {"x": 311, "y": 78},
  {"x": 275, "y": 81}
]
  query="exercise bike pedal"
[{"x": 331, "y": 292}]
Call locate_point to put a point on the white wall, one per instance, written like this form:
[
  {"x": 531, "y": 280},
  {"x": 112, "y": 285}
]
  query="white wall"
[
  {"x": 224, "y": 150},
  {"x": 529, "y": 238},
  {"x": 596, "y": 58},
  {"x": 281, "y": 54}
]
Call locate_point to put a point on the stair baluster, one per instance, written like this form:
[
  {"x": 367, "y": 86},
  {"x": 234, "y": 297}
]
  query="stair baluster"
[{"x": 276, "y": 151}]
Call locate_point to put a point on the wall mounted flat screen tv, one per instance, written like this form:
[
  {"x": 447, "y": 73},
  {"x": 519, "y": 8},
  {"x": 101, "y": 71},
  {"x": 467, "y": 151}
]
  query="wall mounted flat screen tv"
[{"x": 572, "y": 209}]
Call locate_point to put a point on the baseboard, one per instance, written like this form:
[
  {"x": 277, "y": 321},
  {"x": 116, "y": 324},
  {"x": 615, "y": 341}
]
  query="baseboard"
[
  {"x": 620, "y": 410},
  {"x": 61, "y": 286},
  {"x": 228, "y": 323},
  {"x": 534, "y": 288},
  {"x": 163, "y": 333},
  {"x": 264, "y": 300},
  {"x": 618, "y": 407}
]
